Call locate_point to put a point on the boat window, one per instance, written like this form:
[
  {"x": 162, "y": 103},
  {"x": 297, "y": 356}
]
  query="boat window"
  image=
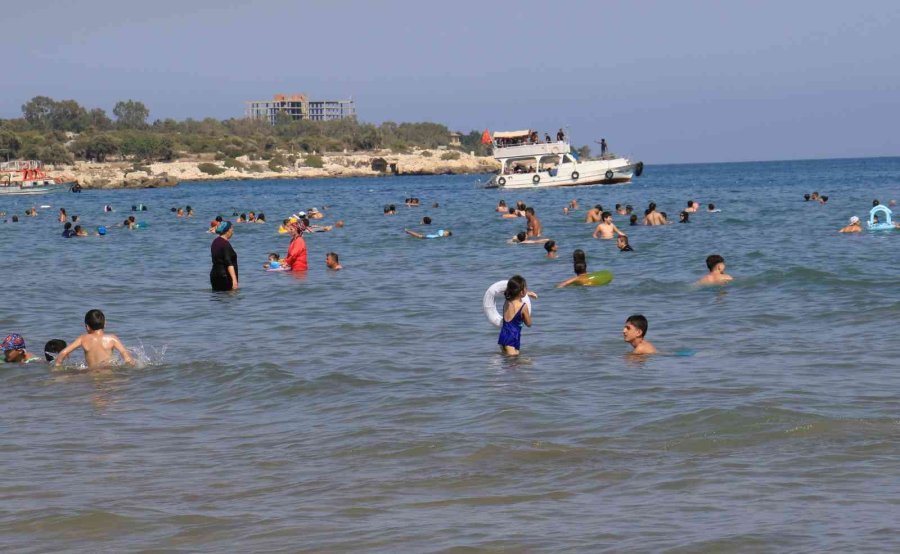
[{"x": 566, "y": 159}]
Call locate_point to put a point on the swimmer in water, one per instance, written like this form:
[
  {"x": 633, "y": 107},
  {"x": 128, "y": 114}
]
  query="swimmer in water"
[
  {"x": 633, "y": 220},
  {"x": 716, "y": 276},
  {"x": 607, "y": 228},
  {"x": 635, "y": 333},
  {"x": 534, "y": 227},
  {"x": 14, "y": 352},
  {"x": 79, "y": 232},
  {"x": 501, "y": 207},
  {"x": 712, "y": 209},
  {"x": 853, "y": 227},
  {"x": 684, "y": 217},
  {"x": 274, "y": 261},
  {"x": 67, "y": 231},
  {"x": 551, "y": 248},
  {"x": 573, "y": 205},
  {"x": 579, "y": 265},
  {"x": 510, "y": 215},
  {"x": 515, "y": 314},
  {"x": 426, "y": 220},
  {"x": 97, "y": 345},
  {"x": 332, "y": 262},
  {"x": 653, "y": 217},
  {"x": 441, "y": 233},
  {"x": 594, "y": 214},
  {"x": 522, "y": 238},
  {"x": 690, "y": 207},
  {"x": 52, "y": 349},
  {"x": 622, "y": 243}
]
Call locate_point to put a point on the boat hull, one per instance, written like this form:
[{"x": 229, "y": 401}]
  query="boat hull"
[{"x": 583, "y": 174}]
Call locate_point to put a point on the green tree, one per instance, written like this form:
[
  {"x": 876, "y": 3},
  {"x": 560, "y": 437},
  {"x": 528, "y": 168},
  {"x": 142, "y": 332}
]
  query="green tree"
[
  {"x": 37, "y": 112},
  {"x": 131, "y": 114},
  {"x": 584, "y": 152},
  {"x": 10, "y": 143},
  {"x": 68, "y": 115},
  {"x": 95, "y": 147},
  {"x": 144, "y": 146},
  {"x": 98, "y": 120}
]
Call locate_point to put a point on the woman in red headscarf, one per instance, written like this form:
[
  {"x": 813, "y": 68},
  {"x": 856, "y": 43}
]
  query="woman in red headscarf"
[{"x": 296, "y": 254}]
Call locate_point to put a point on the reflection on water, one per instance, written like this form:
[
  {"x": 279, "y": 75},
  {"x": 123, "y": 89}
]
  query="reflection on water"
[{"x": 370, "y": 410}]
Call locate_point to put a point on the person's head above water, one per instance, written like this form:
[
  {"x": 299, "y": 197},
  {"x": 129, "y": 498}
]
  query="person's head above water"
[
  {"x": 854, "y": 220},
  {"x": 52, "y": 348},
  {"x": 690, "y": 203},
  {"x": 521, "y": 236},
  {"x": 579, "y": 261},
  {"x": 806, "y": 197},
  {"x": 635, "y": 327},
  {"x": 529, "y": 210},
  {"x": 875, "y": 203},
  {"x": 651, "y": 206},
  {"x": 684, "y": 217},
  {"x": 426, "y": 220},
  {"x": 94, "y": 320},
  {"x": 515, "y": 287},
  {"x": 604, "y": 216},
  {"x": 633, "y": 219},
  {"x": 713, "y": 261},
  {"x": 550, "y": 246}
]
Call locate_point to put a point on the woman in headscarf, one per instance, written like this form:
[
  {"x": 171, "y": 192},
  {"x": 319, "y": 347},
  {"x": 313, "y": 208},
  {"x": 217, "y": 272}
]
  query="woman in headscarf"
[
  {"x": 296, "y": 254},
  {"x": 224, "y": 273}
]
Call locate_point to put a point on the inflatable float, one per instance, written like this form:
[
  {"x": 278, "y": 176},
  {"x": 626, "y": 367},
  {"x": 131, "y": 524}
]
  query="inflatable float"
[
  {"x": 491, "y": 297},
  {"x": 885, "y": 222}
]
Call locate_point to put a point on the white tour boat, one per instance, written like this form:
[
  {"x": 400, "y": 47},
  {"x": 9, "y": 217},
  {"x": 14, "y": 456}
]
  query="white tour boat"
[{"x": 528, "y": 163}]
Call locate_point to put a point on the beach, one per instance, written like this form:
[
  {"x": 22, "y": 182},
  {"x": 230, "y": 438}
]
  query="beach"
[{"x": 370, "y": 410}]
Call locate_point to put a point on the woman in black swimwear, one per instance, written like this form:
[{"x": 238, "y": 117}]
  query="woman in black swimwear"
[{"x": 224, "y": 273}]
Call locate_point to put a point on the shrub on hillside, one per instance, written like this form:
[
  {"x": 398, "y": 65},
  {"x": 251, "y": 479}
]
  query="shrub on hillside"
[
  {"x": 211, "y": 169},
  {"x": 314, "y": 161},
  {"x": 450, "y": 156}
]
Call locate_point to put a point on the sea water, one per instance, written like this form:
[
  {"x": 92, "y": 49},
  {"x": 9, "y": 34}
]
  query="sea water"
[{"x": 370, "y": 410}]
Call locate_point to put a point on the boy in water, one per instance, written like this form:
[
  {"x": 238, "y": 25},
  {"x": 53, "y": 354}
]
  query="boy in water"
[
  {"x": 716, "y": 275},
  {"x": 13, "y": 347},
  {"x": 53, "y": 348},
  {"x": 593, "y": 215},
  {"x": 634, "y": 333},
  {"x": 97, "y": 345},
  {"x": 606, "y": 228}
]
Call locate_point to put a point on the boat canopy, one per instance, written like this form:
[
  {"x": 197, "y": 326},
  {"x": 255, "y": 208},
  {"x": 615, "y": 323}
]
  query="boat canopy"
[{"x": 512, "y": 134}]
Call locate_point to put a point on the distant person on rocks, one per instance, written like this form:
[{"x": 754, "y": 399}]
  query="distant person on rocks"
[
  {"x": 635, "y": 334},
  {"x": 224, "y": 273},
  {"x": 853, "y": 227},
  {"x": 716, "y": 276}
]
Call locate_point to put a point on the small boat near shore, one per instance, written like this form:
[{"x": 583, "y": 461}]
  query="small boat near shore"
[
  {"x": 26, "y": 178},
  {"x": 525, "y": 162}
]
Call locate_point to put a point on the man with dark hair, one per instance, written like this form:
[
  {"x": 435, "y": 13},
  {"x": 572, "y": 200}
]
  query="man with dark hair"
[
  {"x": 594, "y": 214},
  {"x": 716, "y": 276},
  {"x": 331, "y": 261},
  {"x": 533, "y": 225},
  {"x": 53, "y": 348},
  {"x": 635, "y": 333},
  {"x": 97, "y": 345}
]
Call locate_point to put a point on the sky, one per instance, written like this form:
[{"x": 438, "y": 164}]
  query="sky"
[{"x": 664, "y": 82}]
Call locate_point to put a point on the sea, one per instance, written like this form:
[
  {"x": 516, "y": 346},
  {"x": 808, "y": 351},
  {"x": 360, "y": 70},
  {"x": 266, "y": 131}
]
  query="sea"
[{"x": 370, "y": 409}]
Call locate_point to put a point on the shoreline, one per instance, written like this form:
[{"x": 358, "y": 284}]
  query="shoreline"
[{"x": 128, "y": 175}]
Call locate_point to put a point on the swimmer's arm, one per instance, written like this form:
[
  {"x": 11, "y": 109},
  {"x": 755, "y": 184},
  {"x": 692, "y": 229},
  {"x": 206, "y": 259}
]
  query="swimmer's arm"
[
  {"x": 233, "y": 276},
  {"x": 120, "y": 348},
  {"x": 532, "y": 294},
  {"x": 597, "y": 231},
  {"x": 568, "y": 282},
  {"x": 526, "y": 315},
  {"x": 66, "y": 351},
  {"x": 618, "y": 232},
  {"x": 414, "y": 234}
]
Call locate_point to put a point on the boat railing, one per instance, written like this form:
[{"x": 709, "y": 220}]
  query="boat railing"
[
  {"x": 20, "y": 165},
  {"x": 531, "y": 149}
]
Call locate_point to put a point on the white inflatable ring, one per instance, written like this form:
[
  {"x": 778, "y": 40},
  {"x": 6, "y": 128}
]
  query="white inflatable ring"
[{"x": 489, "y": 302}]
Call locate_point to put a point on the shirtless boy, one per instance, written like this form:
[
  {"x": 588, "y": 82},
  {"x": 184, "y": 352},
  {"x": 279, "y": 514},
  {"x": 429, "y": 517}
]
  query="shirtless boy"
[
  {"x": 634, "y": 333},
  {"x": 607, "y": 228},
  {"x": 97, "y": 345},
  {"x": 716, "y": 275},
  {"x": 593, "y": 215}
]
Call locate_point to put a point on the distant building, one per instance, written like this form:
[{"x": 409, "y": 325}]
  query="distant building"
[
  {"x": 298, "y": 106},
  {"x": 454, "y": 139}
]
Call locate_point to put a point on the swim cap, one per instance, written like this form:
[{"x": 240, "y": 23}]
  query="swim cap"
[
  {"x": 854, "y": 219},
  {"x": 223, "y": 227},
  {"x": 101, "y": 229},
  {"x": 12, "y": 342}
]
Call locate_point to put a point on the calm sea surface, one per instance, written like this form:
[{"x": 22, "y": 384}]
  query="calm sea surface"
[{"x": 369, "y": 409}]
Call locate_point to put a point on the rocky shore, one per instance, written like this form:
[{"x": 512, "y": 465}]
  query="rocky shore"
[{"x": 359, "y": 164}]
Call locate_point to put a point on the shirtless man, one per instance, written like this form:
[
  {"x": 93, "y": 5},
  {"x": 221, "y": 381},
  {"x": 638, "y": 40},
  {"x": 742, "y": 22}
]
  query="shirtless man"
[
  {"x": 634, "y": 333},
  {"x": 691, "y": 208},
  {"x": 593, "y": 215},
  {"x": 653, "y": 217},
  {"x": 534, "y": 227},
  {"x": 607, "y": 228},
  {"x": 853, "y": 227},
  {"x": 97, "y": 345},
  {"x": 716, "y": 275},
  {"x": 620, "y": 209}
]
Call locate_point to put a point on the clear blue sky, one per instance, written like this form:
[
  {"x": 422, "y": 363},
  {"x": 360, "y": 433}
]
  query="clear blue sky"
[{"x": 663, "y": 81}]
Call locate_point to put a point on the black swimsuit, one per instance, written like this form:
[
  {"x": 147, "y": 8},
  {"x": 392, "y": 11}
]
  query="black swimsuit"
[{"x": 223, "y": 255}]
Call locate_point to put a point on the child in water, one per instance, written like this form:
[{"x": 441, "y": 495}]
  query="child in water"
[
  {"x": 515, "y": 313},
  {"x": 635, "y": 333},
  {"x": 274, "y": 262},
  {"x": 97, "y": 345},
  {"x": 716, "y": 276}
]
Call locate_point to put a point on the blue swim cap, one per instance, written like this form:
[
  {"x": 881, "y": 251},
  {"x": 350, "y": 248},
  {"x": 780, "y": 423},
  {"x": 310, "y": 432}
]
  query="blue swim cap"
[{"x": 101, "y": 229}]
